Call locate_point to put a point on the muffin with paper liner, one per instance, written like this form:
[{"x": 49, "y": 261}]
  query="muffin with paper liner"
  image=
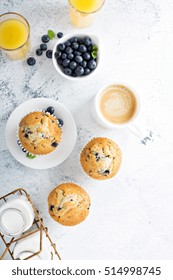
[{"x": 39, "y": 133}]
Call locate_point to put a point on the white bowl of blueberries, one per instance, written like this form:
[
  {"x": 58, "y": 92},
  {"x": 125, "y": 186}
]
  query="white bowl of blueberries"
[{"x": 76, "y": 56}]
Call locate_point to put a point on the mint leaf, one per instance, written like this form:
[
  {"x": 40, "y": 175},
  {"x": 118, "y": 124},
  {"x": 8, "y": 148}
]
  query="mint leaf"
[
  {"x": 94, "y": 54},
  {"x": 95, "y": 48},
  {"x": 51, "y": 34},
  {"x": 28, "y": 155}
]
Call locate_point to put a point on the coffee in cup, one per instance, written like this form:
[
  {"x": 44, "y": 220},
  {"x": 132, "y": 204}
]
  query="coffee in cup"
[{"x": 115, "y": 105}]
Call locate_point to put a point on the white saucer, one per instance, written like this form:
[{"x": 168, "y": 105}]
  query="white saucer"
[{"x": 64, "y": 149}]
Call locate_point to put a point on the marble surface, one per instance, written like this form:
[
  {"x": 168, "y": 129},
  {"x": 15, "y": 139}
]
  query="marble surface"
[{"x": 131, "y": 214}]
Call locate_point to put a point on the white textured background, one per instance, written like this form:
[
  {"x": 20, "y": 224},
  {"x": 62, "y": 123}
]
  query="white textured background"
[{"x": 131, "y": 215}]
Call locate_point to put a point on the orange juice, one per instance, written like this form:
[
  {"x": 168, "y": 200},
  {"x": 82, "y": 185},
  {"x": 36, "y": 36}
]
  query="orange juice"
[
  {"x": 82, "y": 12},
  {"x": 87, "y": 6},
  {"x": 14, "y": 36}
]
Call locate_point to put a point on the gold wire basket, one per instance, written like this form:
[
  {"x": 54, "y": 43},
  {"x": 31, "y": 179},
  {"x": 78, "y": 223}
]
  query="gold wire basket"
[{"x": 37, "y": 226}]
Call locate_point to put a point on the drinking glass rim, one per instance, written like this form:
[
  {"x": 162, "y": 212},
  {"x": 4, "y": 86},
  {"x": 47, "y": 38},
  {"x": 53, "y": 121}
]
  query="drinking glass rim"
[
  {"x": 86, "y": 12},
  {"x": 17, "y": 211},
  {"x": 14, "y": 13}
]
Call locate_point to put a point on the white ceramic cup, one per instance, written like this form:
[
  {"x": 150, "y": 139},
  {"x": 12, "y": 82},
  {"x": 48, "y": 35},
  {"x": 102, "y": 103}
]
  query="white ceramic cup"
[{"x": 102, "y": 121}]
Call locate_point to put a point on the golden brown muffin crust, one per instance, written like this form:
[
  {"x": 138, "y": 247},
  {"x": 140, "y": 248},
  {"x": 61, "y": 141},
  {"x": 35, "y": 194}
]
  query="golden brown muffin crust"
[
  {"x": 68, "y": 204},
  {"x": 39, "y": 133},
  {"x": 101, "y": 158}
]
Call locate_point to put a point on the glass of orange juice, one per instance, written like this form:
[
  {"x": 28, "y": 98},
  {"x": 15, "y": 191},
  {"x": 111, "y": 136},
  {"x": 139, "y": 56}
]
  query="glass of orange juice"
[
  {"x": 14, "y": 35},
  {"x": 83, "y": 12}
]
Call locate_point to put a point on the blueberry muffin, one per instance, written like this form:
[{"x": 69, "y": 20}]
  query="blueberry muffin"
[
  {"x": 101, "y": 158},
  {"x": 39, "y": 133},
  {"x": 68, "y": 204}
]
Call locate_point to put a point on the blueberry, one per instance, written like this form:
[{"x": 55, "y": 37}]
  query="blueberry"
[
  {"x": 58, "y": 55},
  {"x": 73, "y": 40},
  {"x": 51, "y": 207},
  {"x": 83, "y": 64},
  {"x": 87, "y": 71},
  {"x": 107, "y": 171},
  {"x": 39, "y": 52},
  {"x": 79, "y": 71},
  {"x": 54, "y": 144},
  {"x": 18, "y": 142},
  {"x": 61, "y": 47},
  {"x": 60, "y": 34},
  {"x": 67, "y": 43},
  {"x": 77, "y": 53},
  {"x": 64, "y": 56},
  {"x": 67, "y": 71},
  {"x": 43, "y": 47},
  {"x": 92, "y": 64},
  {"x": 87, "y": 41},
  {"x": 59, "y": 61},
  {"x": 68, "y": 50},
  {"x": 26, "y": 135},
  {"x": 45, "y": 38},
  {"x": 50, "y": 110},
  {"x": 49, "y": 53},
  {"x": 90, "y": 47},
  {"x": 73, "y": 65},
  {"x": 31, "y": 61},
  {"x": 75, "y": 46},
  {"x": 82, "y": 48},
  {"x": 86, "y": 56},
  {"x": 60, "y": 122},
  {"x": 78, "y": 59},
  {"x": 66, "y": 62},
  {"x": 70, "y": 56}
]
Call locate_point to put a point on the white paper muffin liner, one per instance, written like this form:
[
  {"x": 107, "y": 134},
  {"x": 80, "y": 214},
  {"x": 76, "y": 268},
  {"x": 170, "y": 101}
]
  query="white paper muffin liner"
[{"x": 19, "y": 142}]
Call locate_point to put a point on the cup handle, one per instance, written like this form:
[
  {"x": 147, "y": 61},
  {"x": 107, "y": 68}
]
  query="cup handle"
[{"x": 135, "y": 130}]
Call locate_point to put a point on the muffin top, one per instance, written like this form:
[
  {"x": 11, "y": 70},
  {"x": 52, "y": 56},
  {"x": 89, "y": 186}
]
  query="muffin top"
[
  {"x": 101, "y": 158},
  {"x": 39, "y": 133},
  {"x": 68, "y": 204}
]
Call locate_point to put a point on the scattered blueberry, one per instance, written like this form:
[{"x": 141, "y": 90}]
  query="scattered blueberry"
[
  {"x": 79, "y": 71},
  {"x": 57, "y": 54},
  {"x": 75, "y": 45},
  {"x": 61, "y": 47},
  {"x": 54, "y": 144},
  {"x": 39, "y": 52},
  {"x": 86, "y": 56},
  {"x": 68, "y": 50},
  {"x": 61, "y": 123},
  {"x": 18, "y": 142},
  {"x": 92, "y": 64},
  {"x": 43, "y": 47},
  {"x": 31, "y": 61},
  {"x": 82, "y": 48},
  {"x": 67, "y": 71},
  {"x": 49, "y": 53},
  {"x": 73, "y": 65},
  {"x": 45, "y": 38},
  {"x": 78, "y": 59},
  {"x": 66, "y": 62},
  {"x": 50, "y": 110},
  {"x": 60, "y": 35}
]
